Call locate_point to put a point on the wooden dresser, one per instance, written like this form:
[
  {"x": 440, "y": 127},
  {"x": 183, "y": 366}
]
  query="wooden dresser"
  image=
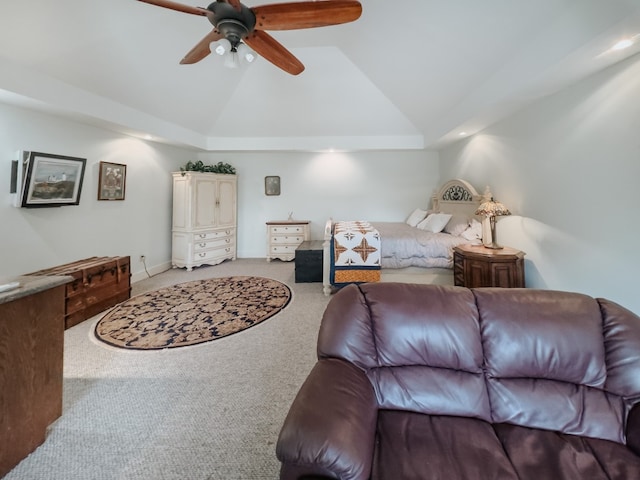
[
  {"x": 284, "y": 236},
  {"x": 478, "y": 266},
  {"x": 31, "y": 353}
]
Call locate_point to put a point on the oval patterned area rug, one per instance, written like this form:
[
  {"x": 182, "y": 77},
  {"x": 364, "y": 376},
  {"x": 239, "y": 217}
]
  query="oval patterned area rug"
[{"x": 191, "y": 313}]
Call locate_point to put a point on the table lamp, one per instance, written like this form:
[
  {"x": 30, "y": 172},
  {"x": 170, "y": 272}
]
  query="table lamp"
[{"x": 492, "y": 209}]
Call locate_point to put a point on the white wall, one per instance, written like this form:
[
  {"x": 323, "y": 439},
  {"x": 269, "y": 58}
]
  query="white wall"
[
  {"x": 34, "y": 239},
  {"x": 367, "y": 185},
  {"x": 568, "y": 167},
  {"x": 382, "y": 186}
]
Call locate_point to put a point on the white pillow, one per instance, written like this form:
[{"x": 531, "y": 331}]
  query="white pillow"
[
  {"x": 457, "y": 225},
  {"x": 474, "y": 232},
  {"x": 416, "y": 216},
  {"x": 434, "y": 222}
]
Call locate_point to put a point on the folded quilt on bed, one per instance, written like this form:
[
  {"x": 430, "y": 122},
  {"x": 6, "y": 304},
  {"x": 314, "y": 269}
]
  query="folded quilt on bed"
[{"x": 355, "y": 253}]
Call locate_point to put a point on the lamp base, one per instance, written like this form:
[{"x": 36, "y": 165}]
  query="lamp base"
[{"x": 493, "y": 244}]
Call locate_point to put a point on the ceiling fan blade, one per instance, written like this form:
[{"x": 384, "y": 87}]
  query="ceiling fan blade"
[
  {"x": 295, "y": 15},
  {"x": 269, "y": 48},
  {"x": 201, "y": 49},
  {"x": 178, "y": 6}
]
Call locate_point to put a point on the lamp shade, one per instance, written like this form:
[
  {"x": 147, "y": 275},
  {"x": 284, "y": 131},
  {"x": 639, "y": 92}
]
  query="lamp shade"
[
  {"x": 221, "y": 46},
  {"x": 492, "y": 209},
  {"x": 246, "y": 53}
]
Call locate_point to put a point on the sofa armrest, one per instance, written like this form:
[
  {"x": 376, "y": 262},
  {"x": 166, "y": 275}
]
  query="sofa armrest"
[
  {"x": 330, "y": 428},
  {"x": 633, "y": 429}
]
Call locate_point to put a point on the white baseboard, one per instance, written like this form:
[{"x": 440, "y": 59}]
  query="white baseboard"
[{"x": 156, "y": 269}]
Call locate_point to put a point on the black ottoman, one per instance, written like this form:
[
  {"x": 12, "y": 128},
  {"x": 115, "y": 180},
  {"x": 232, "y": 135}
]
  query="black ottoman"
[{"x": 309, "y": 262}]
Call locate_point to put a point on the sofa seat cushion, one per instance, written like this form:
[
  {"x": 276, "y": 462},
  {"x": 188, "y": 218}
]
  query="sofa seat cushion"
[
  {"x": 539, "y": 454},
  {"x": 417, "y": 446},
  {"x": 412, "y": 445}
]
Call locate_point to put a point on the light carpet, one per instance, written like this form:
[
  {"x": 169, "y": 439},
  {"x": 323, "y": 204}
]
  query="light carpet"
[{"x": 208, "y": 412}]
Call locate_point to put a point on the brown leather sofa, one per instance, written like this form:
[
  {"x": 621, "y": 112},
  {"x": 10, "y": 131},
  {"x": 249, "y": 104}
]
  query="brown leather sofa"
[{"x": 434, "y": 382}]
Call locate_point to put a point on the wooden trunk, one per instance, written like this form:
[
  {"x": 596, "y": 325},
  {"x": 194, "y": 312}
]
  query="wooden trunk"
[{"x": 98, "y": 283}]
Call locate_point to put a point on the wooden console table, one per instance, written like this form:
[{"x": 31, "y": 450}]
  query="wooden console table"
[
  {"x": 479, "y": 266},
  {"x": 31, "y": 349}
]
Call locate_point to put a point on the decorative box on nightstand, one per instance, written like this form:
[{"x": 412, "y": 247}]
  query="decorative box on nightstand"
[
  {"x": 283, "y": 237},
  {"x": 479, "y": 266}
]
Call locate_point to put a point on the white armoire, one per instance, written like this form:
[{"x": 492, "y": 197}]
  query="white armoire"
[{"x": 204, "y": 219}]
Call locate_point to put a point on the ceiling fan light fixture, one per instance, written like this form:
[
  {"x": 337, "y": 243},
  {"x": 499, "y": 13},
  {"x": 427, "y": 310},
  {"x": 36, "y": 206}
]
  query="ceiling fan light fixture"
[
  {"x": 233, "y": 30},
  {"x": 231, "y": 60},
  {"x": 221, "y": 46},
  {"x": 246, "y": 53}
]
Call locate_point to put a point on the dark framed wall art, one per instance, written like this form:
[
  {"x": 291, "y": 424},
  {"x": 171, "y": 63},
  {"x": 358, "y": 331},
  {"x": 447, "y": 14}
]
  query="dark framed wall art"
[
  {"x": 272, "y": 185},
  {"x": 112, "y": 181},
  {"x": 52, "y": 180}
]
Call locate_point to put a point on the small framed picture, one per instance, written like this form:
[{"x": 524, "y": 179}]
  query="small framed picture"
[
  {"x": 272, "y": 185},
  {"x": 52, "y": 180},
  {"x": 112, "y": 181}
]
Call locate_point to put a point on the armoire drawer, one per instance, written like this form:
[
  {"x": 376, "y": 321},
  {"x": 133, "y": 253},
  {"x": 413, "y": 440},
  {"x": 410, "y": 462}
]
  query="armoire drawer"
[
  {"x": 200, "y": 246},
  {"x": 222, "y": 252},
  {"x": 199, "y": 237}
]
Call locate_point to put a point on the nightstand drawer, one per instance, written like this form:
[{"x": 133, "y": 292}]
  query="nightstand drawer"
[
  {"x": 286, "y": 229},
  {"x": 279, "y": 249},
  {"x": 287, "y": 239}
]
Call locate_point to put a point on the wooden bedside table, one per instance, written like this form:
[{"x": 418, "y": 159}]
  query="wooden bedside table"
[{"x": 478, "y": 266}]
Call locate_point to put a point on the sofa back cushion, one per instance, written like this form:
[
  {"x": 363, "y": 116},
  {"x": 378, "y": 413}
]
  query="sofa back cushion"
[
  {"x": 537, "y": 358},
  {"x": 545, "y": 362},
  {"x": 420, "y": 348}
]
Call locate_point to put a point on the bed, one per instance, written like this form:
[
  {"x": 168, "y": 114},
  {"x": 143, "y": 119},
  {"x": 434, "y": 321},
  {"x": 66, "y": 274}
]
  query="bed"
[{"x": 356, "y": 251}]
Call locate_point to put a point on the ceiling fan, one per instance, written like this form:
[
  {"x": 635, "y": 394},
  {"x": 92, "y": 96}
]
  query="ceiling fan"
[{"x": 240, "y": 24}]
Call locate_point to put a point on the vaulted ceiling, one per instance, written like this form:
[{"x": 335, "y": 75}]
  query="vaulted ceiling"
[{"x": 409, "y": 74}]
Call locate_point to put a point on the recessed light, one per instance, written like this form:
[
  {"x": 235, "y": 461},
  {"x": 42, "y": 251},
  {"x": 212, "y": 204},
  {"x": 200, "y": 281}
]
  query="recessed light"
[
  {"x": 622, "y": 44},
  {"x": 462, "y": 134}
]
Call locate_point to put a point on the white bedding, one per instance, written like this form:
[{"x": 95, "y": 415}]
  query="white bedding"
[{"x": 405, "y": 246}]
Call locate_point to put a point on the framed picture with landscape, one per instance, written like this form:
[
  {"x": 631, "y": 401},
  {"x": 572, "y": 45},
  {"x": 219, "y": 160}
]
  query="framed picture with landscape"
[
  {"x": 111, "y": 182},
  {"x": 52, "y": 180}
]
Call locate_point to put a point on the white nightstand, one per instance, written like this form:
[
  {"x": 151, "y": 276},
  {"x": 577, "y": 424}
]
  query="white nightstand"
[{"x": 283, "y": 237}]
